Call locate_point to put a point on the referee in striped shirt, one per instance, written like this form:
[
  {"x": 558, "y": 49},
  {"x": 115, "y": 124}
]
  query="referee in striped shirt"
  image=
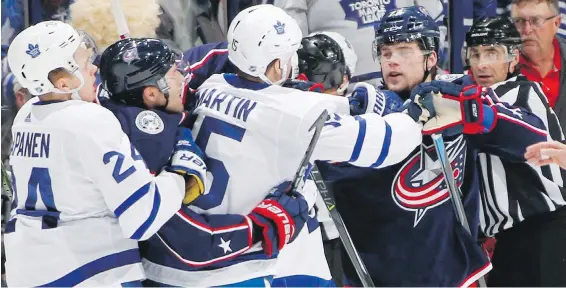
[{"x": 523, "y": 205}]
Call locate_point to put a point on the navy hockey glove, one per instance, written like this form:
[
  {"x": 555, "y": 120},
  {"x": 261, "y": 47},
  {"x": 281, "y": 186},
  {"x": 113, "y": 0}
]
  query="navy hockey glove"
[
  {"x": 188, "y": 161},
  {"x": 368, "y": 99},
  {"x": 279, "y": 218}
]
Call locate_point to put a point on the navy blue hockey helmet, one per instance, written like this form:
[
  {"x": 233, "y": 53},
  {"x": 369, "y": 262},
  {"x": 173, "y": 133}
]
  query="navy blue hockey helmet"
[
  {"x": 407, "y": 24},
  {"x": 129, "y": 65},
  {"x": 322, "y": 61}
]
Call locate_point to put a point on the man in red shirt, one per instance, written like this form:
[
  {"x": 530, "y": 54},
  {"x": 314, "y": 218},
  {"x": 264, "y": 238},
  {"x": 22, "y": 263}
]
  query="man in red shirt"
[{"x": 543, "y": 53}]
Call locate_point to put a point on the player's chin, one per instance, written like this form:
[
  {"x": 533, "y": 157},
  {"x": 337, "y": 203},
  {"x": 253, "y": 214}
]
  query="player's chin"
[
  {"x": 396, "y": 85},
  {"x": 87, "y": 93},
  {"x": 175, "y": 107}
]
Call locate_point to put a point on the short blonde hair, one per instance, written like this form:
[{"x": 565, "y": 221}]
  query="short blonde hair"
[{"x": 95, "y": 18}]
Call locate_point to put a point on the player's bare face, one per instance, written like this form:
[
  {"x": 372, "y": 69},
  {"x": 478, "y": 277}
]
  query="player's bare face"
[
  {"x": 489, "y": 64},
  {"x": 402, "y": 66},
  {"x": 175, "y": 81},
  {"x": 83, "y": 57}
]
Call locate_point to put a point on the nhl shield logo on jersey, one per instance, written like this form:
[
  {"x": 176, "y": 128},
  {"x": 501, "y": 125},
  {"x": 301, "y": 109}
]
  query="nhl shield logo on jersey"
[
  {"x": 149, "y": 122},
  {"x": 419, "y": 185}
]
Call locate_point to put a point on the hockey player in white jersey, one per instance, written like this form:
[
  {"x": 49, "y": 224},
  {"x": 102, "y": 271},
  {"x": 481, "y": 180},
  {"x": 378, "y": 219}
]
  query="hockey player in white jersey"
[
  {"x": 83, "y": 197},
  {"x": 323, "y": 58},
  {"x": 266, "y": 128}
]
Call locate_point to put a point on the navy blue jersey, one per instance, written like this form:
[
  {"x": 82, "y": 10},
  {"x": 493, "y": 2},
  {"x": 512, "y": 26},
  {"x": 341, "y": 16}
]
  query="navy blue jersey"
[
  {"x": 206, "y": 60},
  {"x": 401, "y": 219},
  {"x": 152, "y": 132},
  {"x": 188, "y": 241}
]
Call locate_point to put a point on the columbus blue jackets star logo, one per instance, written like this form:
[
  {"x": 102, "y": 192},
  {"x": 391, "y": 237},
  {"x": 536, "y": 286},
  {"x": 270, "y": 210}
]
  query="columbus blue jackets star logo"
[
  {"x": 419, "y": 185},
  {"x": 33, "y": 50}
]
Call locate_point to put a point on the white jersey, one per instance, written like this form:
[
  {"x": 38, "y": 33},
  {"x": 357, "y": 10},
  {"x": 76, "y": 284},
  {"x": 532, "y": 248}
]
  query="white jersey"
[
  {"x": 83, "y": 198},
  {"x": 305, "y": 257},
  {"x": 355, "y": 20},
  {"x": 255, "y": 136}
]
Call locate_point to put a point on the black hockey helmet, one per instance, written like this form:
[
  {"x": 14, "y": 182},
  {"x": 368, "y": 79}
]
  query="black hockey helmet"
[
  {"x": 492, "y": 31},
  {"x": 129, "y": 65},
  {"x": 497, "y": 30},
  {"x": 322, "y": 61}
]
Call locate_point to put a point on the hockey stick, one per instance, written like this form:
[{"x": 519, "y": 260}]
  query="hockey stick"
[
  {"x": 455, "y": 195},
  {"x": 330, "y": 204},
  {"x": 120, "y": 19},
  {"x": 300, "y": 176}
]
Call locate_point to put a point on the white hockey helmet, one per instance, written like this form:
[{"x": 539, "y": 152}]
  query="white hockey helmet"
[
  {"x": 261, "y": 34},
  {"x": 347, "y": 49},
  {"x": 42, "y": 48}
]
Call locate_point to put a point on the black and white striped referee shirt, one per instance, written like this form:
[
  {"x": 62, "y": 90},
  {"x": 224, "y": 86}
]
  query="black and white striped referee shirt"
[{"x": 512, "y": 192}]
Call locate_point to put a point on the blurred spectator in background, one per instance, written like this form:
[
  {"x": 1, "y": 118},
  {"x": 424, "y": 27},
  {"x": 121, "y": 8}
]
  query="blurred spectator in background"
[
  {"x": 14, "y": 17},
  {"x": 13, "y": 98},
  {"x": 504, "y": 8},
  {"x": 96, "y": 19},
  {"x": 543, "y": 56}
]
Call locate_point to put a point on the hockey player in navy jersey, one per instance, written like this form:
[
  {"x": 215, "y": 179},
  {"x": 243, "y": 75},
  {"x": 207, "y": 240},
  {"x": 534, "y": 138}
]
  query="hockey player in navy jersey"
[
  {"x": 132, "y": 70},
  {"x": 400, "y": 217}
]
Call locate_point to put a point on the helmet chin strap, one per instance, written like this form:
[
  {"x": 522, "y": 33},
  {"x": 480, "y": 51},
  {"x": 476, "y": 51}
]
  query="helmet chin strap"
[
  {"x": 284, "y": 75},
  {"x": 342, "y": 89},
  {"x": 74, "y": 92}
]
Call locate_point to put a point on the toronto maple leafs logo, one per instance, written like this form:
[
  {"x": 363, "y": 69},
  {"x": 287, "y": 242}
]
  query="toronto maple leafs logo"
[
  {"x": 33, "y": 50},
  {"x": 279, "y": 27},
  {"x": 419, "y": 185},
  {"x": 365, "y": 13}
]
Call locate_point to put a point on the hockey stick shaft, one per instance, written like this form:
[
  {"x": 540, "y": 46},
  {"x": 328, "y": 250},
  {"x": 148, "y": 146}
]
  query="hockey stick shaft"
[
  {"x": 300, "y": 176},
  {"x": 120, "y": 19},
  {"x": 330, "y": 204},
  {"x": 450, "y": 181},
  {"x": 455, "y": 196}
]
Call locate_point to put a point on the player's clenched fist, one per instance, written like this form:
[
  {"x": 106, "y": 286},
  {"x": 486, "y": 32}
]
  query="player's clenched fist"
[
  {"x": 188, "y": 161},
  {"x": 279, "y": 218},
  {"x": 545, "y": 153}
]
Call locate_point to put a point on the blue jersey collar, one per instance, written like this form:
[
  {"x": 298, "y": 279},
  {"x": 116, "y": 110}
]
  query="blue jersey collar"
[{"x": 240, "y": 82}]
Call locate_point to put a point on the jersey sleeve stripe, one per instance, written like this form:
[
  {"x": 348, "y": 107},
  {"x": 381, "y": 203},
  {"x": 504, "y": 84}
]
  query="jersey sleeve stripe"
[
  {"x": 99, "y": 265},
  {"x": 506, "y": 117},
  {"x": 210, "y": 230},
  {"x": 202, "y": 263},
  {"x": 143, "y": 228},
  {"x": 360, "y": 139},
  {"x": 519, "y": 122},
  {"x": 132, "y": 199},
  {"x": 384, "y": 148},
  {"x": 207, "y": 57}
]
